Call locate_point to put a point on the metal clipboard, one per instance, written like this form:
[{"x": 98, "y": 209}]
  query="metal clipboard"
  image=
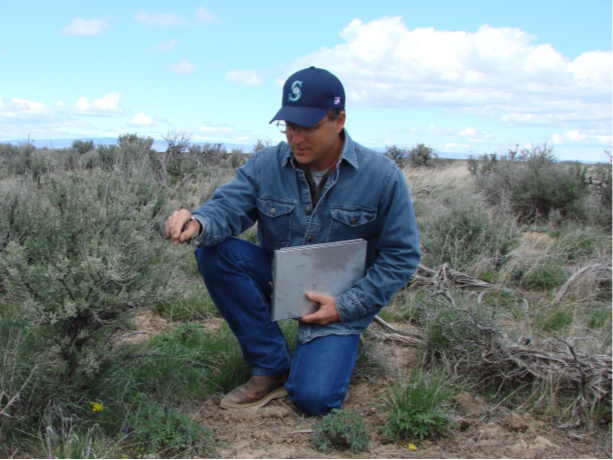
[{"x": 328, "y": 269}]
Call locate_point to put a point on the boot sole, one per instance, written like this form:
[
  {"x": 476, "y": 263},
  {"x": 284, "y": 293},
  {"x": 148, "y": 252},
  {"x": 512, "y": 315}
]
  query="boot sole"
[{"x": 278, "y": 393}]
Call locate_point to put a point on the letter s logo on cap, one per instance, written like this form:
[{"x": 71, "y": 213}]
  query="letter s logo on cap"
[{"x": 296, "y": 93}]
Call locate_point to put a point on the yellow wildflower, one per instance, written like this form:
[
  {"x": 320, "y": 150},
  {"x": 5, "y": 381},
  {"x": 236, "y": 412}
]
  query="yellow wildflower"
[
  {"x": 96, "y": 407},
  {"x": 412, "y": 447}
]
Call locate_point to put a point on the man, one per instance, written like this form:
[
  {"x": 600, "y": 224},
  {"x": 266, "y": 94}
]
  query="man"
[{"x": 318, "y": 187}]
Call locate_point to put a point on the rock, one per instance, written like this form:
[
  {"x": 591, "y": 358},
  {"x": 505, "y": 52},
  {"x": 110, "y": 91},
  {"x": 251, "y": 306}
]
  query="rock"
[{"x": 515, "y": 422}]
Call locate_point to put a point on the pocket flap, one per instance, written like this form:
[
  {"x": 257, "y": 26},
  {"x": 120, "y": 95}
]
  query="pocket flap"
[
  {"x": 275, "y": 207},
  {"x": 353, "y": 217}
]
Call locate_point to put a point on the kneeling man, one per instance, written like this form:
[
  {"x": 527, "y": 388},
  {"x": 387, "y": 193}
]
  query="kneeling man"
[{"x": 319, "y": 186}]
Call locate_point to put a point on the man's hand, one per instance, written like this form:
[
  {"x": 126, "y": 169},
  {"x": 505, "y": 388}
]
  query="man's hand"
[
  {"x": 176, "y": 228},
  {"x": 327, "y": 312}
]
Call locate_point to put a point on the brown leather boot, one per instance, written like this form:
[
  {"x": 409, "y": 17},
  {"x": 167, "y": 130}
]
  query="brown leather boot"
[{"x": 257, "y": 392}]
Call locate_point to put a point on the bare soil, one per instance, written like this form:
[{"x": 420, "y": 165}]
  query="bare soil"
[{"x": 280, "y": 430}]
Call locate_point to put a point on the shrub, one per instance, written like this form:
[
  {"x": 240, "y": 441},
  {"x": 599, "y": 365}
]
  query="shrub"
[
  {"x": 418, "y": 407},
  {"x": 398, "y": 154},
  {"x": 237, "y": 158},
  {"x": 422, "y": 156},
  {"x": 534, "y": 183},
  {"x": 460, "y": 231},
  {"x": 341, "y": 430},
  {"x": 599, "y": 182},
  {"x": 79, "y": 251},
  {"x": 82, "y": 147}
]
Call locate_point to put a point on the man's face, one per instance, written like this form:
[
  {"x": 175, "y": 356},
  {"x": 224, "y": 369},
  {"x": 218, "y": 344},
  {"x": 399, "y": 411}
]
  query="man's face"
[{"x": 318, "y": 148}]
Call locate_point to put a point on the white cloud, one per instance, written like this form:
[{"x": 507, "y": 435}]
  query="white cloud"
[
  {"x": 165, "y": 46},
  {"x": 182, "y": 67},
  {"x": 205, "y": 17},
  {"x": 496, "y": 73},
  {"x": 467, "y": 132},
  {"x": 245, "y": 77},
  {"x": 80, "y": 26},
  {"x": 140, "y": 119},
  {"x": 109, "y": 105},
  {"x": 161, "y": 19}
]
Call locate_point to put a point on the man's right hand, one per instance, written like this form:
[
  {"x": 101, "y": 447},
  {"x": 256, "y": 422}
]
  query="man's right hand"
[{"x": 179, "y": 228}]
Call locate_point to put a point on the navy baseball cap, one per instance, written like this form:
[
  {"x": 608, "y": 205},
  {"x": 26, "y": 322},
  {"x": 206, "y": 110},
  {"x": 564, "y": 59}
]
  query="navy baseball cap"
[{"x": 308, "y": 95}]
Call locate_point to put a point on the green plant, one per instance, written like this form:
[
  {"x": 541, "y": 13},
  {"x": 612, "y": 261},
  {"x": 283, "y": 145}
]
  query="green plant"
[
  {"x": 81, "y": 146},
  {"x": 153, "y": 429},
  {"x": 79, "y": 250},
  {"x": 534, "y": 183},
  {"x": 460, "y": 231},
  {"x": 422, "y": 156},
  {"x": 419, "y": 407},
  {"x": 398, "y": 154},
  {"x": 341, "y": 430}
]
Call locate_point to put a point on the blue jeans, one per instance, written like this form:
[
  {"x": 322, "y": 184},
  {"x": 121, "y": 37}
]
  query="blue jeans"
[{"x": 237, "y": 275}]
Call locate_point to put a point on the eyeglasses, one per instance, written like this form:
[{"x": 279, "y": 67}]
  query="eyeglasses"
[{"x": 290, "y": 128}]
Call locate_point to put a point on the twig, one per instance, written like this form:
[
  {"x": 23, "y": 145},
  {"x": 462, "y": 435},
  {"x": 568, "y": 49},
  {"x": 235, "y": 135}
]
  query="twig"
[
  {"x": 125, "y": 336},
  {"x": 198, "y": 411},
  {"x": 301, "y": 431}
]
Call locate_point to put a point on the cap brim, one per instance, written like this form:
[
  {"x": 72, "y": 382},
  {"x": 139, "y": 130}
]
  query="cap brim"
[{"x": 302, "y": 116}]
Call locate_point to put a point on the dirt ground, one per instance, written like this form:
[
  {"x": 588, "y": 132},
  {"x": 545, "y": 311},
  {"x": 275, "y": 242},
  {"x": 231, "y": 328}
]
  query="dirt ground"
[{"x": 280, "y": 430}]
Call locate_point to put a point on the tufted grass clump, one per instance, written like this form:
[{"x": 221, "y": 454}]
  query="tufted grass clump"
[
  {"x": 419, "y": 407},
  {"x": 156, "y": 430},
  {"x": 341, "y": 430}
]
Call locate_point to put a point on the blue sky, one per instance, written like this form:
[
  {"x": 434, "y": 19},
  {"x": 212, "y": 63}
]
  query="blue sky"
[{"x": 469, "y": 77}]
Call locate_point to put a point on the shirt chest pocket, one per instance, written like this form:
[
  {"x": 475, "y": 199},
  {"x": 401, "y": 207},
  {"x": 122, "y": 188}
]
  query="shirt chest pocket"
[
  {"x": 275, "y": 220},
  {"x": 351, "y": 222}
]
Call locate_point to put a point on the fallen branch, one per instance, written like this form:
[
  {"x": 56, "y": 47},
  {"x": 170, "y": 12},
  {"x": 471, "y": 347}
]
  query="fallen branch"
[
  {"x": 412, "y": 339},
  {"x": 484, "y": 353},
  {"x": 445, "y": 276},
  {"x": 604, "y": 272}
]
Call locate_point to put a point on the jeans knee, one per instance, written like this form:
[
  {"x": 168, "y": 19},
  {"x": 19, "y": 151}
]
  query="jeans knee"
[{"x": 313, "y": 402}]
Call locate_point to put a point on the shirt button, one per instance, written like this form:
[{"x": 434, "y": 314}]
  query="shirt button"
[
  {"x": 273, "y": 210},
  {"x": 354, "y": 220},
  {"x": 309, "y": 238},
  {"x": 307, "y": 209}
]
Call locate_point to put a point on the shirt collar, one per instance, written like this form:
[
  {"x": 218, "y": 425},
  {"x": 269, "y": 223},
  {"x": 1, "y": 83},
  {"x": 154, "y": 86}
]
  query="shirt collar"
[{"x": 347, "y": 153}]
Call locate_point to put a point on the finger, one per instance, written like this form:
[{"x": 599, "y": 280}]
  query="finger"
[
  {"x": 311, "y": 318},
  {"x": 191, "y": 230}
]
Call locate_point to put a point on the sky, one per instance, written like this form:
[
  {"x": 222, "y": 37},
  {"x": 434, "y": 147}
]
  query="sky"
[{"x": 468, "y": 77}]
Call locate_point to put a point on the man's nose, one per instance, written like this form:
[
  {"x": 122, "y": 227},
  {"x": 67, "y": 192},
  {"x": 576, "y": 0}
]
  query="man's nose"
[{"x": 297, "y": 136}]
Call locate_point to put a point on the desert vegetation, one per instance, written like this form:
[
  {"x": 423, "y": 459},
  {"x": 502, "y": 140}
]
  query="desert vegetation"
[{"x": 511, "y": 302}]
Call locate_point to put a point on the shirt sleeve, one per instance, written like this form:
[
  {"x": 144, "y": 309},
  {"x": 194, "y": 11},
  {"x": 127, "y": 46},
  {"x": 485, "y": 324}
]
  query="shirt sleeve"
[
  {"x": 397, "y": 253},
  {"x": 232, "y": 208}
]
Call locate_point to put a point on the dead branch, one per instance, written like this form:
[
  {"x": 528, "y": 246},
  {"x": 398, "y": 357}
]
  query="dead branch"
[
  {"x": 603, "y": 273},
  {"x": 445, "y": 276},
  {"x": 390, "y": 333},
  {"x": 484, "y": 352}
]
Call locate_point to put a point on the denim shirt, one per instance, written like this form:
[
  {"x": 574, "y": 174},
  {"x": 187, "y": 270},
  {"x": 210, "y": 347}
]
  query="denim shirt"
[{"x": 364, "y": 197}]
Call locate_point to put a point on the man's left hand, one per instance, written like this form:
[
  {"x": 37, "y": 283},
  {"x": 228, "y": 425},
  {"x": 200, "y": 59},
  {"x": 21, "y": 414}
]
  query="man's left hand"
[{"x": 327, "y": 312}]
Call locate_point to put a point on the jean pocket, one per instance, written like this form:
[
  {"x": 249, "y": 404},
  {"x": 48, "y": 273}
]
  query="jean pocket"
[
  {"x": 351, "y": 222},
  {"x": 275, "y": 220}
]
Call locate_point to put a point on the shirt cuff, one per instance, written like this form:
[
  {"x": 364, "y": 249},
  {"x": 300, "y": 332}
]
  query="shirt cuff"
[{"x": 349, "y": 307}]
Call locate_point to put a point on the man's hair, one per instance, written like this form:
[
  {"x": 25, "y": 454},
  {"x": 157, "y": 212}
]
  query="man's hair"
[{"x": 333, "y": 114}]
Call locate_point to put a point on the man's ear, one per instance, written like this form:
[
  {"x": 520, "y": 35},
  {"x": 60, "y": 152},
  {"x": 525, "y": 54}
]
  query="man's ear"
[{"x": 339, "y": 123}]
